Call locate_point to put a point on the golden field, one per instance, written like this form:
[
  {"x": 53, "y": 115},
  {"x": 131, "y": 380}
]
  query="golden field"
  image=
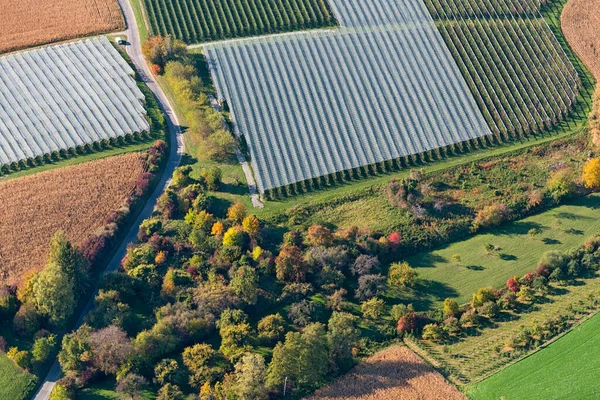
[
  {"x": 76, "y": 199},
  {"x": 27, "y": 23}
]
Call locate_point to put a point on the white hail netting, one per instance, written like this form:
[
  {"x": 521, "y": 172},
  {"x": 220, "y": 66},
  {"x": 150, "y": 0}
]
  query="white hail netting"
[
  {"x": 382, "y": 87},
  {"x": 64, "y": 96}
]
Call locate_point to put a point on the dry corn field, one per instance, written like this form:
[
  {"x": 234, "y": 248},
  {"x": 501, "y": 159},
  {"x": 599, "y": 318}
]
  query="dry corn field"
[
  {"x": 75, "y": 199},
  {"x": 580, "y": 23},
  {"x": 26, "y": 23},
  {"x": 394, "y": 373}
]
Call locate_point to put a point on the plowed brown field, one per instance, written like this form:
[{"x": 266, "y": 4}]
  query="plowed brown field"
[
  {"x": 26, "y": 23},
  {"x": 394, "y": 373},
  {"x": 75, "y": 199}
]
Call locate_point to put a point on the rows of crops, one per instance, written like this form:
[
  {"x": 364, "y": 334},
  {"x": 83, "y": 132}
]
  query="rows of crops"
[
  {"x": 517, "y": 71},
  {"x": 382, "y": 87},
  {"x": 65, "y": 96},
  {"x": 475, "y": 8},
  {"x": 203, "y": 20}
]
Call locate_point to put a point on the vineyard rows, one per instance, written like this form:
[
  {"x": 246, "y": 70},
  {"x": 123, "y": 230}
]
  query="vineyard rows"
[
  {"x": 203, "y": 20},
  {"x": 61, "y": 97},
  {"x": 382, "y": 87},
  {"x": 520, "y": 76},
  {"x": 477, "y": 8}
]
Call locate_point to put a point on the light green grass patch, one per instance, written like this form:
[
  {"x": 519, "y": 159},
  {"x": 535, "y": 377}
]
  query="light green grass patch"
[
  {"x": 562, "y": 228},
  {"x": 105, "y": 390},
  {"x": 15, "y": 384},
  {"x": 567, "y": 369}
]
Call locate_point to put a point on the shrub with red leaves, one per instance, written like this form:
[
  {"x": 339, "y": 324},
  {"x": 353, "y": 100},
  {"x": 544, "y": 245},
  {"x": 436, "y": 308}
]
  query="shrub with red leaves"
[
  {"x": 394, "y": 240},
  {"x": 512, "y": 285},
  {"x": 407, "y": 323}
]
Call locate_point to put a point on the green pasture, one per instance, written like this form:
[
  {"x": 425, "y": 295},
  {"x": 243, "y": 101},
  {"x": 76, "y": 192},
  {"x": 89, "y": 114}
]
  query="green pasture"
[{"x": 459, "y": 269}]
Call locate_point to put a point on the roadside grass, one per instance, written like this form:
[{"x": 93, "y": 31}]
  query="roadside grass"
[
  {"x": 566, "y": 369},
  {"x": 562, "y": 228},
  {"x": 16, "y": 383}
]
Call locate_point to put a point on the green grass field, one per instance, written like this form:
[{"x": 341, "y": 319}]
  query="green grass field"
[
  {"x": 566, "y": 369},
  {"x": 105, "y": 390},
  {"x": 562, "y": 228},
  {"x": 16, "y": 383}
]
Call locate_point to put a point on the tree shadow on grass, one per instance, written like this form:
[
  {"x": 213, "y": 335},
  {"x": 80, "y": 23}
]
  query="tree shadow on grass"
[
  {"x": 428, "y": 260},
  {"x": 571, "y": 216},
  {"x": 519, "y": 228},
  {"x": 219, "y": 206},
  {"x": 550, "y": 241},
  {"x": 507, "y": 257},
  {"x": 475, "y": 267},
  {"x": 240, "y": 189}
]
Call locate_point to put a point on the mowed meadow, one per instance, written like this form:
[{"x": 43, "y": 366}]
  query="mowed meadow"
[
  {"x": 27, "y": 23},
  {"x": 76, "y": 199},
  {"x": 393, "y": 373}
]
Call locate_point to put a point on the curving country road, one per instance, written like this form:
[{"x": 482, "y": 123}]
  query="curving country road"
[{"x": 134, "y": 50}]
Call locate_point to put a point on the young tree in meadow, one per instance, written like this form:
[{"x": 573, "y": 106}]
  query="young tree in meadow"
[
  {"x": 248, "y": 379},
  {"x": 342, "y": 337},
  {"x": 54, "y": 294}
]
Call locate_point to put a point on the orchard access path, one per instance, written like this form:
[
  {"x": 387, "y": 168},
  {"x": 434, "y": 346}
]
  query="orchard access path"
[{"x": 134, "y": 50}]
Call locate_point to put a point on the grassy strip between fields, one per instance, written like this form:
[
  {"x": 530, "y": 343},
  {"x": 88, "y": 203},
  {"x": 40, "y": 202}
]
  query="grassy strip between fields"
[
  {"x": 16, "y": 383},
  {"x": 566, "y": 369}
]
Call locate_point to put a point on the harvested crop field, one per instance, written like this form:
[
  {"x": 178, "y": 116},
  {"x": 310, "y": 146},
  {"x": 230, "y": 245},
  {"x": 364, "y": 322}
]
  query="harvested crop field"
[
  {"x": 580, "y": 23},
  {"x": 394, "y": 373},
  {"x": 76, "y": 199},
  {"x": 27, "y": 23}
]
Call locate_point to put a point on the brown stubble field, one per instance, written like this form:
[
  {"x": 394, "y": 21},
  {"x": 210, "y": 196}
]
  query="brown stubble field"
[
  {"x": 75, "y": 199},
  {"x": 27, "y": 23},
  {"x": 393, "y": 373},
  {"x": 580, "y": 23}
]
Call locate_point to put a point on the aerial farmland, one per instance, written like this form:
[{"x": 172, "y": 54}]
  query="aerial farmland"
[{"x": 299, "y": 199}]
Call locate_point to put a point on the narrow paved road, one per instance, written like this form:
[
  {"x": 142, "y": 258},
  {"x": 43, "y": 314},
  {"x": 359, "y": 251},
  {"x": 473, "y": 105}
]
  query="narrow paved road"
[{"x": 134, "y": 50}]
